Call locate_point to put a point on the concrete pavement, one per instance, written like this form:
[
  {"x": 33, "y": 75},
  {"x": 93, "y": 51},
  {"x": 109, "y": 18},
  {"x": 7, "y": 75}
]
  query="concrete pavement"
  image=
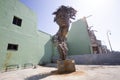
[{"x": 83, "y": 72}]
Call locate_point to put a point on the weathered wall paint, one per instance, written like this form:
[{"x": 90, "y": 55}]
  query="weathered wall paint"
[
  {"x": 33, "y": 46},
  {"x": 78, "y": 38}
]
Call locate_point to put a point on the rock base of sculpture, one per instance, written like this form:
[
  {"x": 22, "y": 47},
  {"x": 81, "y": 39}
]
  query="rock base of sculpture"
[{"x": 66, "y": 66}]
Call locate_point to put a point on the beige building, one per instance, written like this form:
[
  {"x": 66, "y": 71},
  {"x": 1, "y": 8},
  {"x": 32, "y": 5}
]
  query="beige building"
[{"x": 96, "y": 44}]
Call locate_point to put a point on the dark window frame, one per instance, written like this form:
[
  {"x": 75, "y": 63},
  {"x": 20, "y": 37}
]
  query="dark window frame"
[
  {"x": 13, "y": 47},
  {"x": 17, "y": 21}
]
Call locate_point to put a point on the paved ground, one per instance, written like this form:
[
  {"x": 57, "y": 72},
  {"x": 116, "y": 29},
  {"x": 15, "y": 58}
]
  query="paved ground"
[{"x": 83, "y": 72}]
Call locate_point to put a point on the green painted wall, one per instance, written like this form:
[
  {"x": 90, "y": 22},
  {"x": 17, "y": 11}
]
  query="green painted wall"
[
  {"x": 45, "y": 46},
  {"x": 78, "y": 38},
  {"x": 33, "y": 46}
]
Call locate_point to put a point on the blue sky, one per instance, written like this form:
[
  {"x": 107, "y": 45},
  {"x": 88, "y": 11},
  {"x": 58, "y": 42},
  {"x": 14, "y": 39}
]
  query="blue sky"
[{"x": 105, "y": 16}]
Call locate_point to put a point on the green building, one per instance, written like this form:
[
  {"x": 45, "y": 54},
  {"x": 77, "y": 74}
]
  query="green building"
[
  {"x": 22, "y": 43},
  {"x": 78, "y": 38}
]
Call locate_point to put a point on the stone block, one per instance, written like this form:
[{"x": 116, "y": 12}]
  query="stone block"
[{"x": 66, "y": 66}]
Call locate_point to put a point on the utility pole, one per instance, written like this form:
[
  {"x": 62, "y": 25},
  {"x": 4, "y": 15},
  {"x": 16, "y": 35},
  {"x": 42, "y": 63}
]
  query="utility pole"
[{"x": 109, "y": 33}]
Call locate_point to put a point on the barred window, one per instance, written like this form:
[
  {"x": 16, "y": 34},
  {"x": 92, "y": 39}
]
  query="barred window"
[{"x": 17, "y": 21}]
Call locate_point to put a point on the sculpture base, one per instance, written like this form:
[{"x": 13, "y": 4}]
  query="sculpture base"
[{"x": 66, "y": 66}]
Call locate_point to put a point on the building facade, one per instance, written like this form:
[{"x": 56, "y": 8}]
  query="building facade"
[
  {"x": 20, "y": 41},
  {"x": 96, "y": 44},
  {"x": 78, "y": 38}
]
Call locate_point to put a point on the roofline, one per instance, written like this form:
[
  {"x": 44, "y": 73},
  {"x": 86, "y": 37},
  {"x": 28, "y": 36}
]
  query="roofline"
[{"x": 45, "y": 32}]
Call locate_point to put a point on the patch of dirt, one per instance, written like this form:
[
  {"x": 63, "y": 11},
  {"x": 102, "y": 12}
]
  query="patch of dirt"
[{"x": 76, "y": 73}]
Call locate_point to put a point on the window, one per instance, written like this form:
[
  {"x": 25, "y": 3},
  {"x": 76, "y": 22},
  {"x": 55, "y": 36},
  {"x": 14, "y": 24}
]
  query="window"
[
  {"x": 12, "y": 47},
  {"x": 17, "y": 21}
]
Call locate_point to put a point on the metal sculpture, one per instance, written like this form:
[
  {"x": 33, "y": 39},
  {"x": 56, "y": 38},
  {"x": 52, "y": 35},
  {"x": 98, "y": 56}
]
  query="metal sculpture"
[{"x": 63, "y": 17}]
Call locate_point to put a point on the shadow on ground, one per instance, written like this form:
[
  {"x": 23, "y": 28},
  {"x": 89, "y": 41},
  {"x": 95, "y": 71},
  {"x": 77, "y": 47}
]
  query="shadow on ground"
[
  {"x": 55, "y": 72},
  {"x": 38, "y": 76},
  {"x": 42, "y": 75}
]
